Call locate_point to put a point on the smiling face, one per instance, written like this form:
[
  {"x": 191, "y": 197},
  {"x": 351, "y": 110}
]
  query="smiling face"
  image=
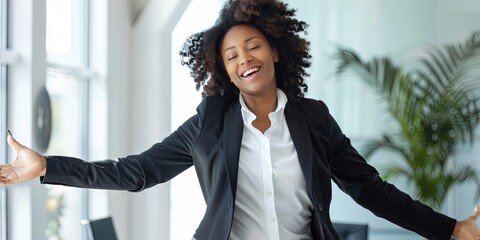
[{"x": 249, "y": 60}]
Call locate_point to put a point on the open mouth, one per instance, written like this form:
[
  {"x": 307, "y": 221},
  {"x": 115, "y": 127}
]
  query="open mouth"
[{"x": 250, "y": 72}]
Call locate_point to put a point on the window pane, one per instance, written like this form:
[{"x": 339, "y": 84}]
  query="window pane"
[
  {"x": 66, "y": 96},
  {"x": 64, "y": 204},
  {"x": 65, "y": 32}
]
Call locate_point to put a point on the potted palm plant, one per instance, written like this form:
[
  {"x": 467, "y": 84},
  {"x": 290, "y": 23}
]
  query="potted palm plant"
[{"x": 435, "y": 106}]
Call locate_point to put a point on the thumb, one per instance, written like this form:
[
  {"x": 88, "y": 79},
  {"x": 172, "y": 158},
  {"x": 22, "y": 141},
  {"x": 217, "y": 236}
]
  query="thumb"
[
  {"x": 13, "y": 143},
  {"x": 476, "y": 212}
]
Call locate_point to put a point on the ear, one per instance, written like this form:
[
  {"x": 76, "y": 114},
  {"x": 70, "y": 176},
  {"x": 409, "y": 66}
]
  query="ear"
[{"x": 276, "y": 56}]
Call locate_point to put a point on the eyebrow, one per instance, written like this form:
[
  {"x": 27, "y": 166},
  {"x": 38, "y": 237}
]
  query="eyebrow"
[{"x": 246, "y": 40}]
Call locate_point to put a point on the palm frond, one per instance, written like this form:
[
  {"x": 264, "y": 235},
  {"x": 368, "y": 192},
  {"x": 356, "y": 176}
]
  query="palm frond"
[
  {"x": 395, "y": 171},
  {"x": 386, "y": 143},
  {"x": 379, "y": 73},
  {"x": 464, "y": 175}
]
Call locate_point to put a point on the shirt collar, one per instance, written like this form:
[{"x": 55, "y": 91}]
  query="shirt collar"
[{"x": 249, "y": 116}]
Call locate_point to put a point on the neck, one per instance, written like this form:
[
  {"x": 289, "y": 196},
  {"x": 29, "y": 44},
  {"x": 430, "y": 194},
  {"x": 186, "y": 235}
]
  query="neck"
[{"x": 261, "y": 106}]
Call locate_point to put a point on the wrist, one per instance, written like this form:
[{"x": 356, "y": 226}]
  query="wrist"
[
  {"x": 457, "y": 230},
  {"x": 44, "y": 165}
]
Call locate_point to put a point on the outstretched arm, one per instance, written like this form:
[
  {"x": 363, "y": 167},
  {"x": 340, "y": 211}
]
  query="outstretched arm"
[
  {"x": 27, "y": 165},
  {"x": 467, "y": 229}
]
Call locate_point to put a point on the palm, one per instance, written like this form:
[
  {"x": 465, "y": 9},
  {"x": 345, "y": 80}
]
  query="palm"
[
  {"x": 27, "y": 165},
  {"x": 467, "y": 229}
]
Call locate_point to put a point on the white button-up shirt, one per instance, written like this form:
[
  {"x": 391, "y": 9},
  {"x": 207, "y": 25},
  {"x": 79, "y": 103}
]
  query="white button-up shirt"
[{"x": 272, "y": 200}]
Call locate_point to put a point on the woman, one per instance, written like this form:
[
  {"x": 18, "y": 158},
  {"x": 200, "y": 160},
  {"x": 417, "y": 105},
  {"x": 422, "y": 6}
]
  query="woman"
[{"x": 264, "y": 155}]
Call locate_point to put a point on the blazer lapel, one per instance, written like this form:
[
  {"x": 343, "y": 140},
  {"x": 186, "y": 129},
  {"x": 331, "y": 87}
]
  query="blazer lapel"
[
  {"x": 298, "y": 126},
  {"x": 232, "y": 138}
]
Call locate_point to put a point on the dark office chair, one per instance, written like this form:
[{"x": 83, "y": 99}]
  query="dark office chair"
[
  {"x": 100, "y": 229},
  {"x": 348, "y": 231}
]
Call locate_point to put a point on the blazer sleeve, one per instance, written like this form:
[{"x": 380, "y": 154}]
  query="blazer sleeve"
[
  {"x": 363, "y": 183},
  {"x": 158, "y": 164}
]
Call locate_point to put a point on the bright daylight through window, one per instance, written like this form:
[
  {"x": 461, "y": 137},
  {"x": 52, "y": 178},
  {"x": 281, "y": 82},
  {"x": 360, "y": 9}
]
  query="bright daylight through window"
[{"x": 67, "y": 48}]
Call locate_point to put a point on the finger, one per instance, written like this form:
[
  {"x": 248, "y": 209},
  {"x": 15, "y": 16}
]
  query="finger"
[
  {"x": 4, "y": 172},
  {"x": 476, "y": 213},
  {"x": 5, "y": 181},
  {"x": 8, "y": 177},
  {"x": 13, "y": 143}
]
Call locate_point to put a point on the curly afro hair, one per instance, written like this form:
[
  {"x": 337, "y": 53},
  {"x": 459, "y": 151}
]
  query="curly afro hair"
[{"x": 201, "y": 51}]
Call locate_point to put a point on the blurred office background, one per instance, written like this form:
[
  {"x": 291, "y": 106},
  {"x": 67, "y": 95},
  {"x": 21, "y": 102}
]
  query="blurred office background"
[{"x": 116, "y": 87}]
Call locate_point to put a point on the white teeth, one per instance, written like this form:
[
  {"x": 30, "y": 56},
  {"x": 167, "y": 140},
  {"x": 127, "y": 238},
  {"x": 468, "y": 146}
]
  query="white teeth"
[{"x": 249, "y": 71}]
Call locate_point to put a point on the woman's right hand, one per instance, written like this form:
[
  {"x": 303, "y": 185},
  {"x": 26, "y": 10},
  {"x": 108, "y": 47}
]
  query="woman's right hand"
[{"x": 27, "y": 165}]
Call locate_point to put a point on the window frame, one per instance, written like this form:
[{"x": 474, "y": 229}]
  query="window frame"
[
  {"x": 22, "y": 53},
  {"x": 4, "y": 110}
]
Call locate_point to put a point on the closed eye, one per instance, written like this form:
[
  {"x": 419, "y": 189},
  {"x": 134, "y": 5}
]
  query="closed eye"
[
  {"x": 231, "y": 58},
  {"x": 253, "y": 48}
]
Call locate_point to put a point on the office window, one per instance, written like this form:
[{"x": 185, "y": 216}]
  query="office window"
[{"x": 67, "y": 46}]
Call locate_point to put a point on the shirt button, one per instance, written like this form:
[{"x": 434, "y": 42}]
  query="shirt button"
[{"x": 269, "y": 193}]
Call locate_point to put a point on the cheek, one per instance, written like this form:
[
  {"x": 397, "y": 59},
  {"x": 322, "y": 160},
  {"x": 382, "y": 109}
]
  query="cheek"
[{"x": 230, "y": 71}]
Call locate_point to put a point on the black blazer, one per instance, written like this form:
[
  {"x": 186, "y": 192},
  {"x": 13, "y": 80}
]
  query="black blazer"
[{"x": 211, "y": 140}]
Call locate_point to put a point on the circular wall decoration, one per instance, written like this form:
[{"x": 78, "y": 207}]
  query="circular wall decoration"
[{"x": 43, "y": 121}]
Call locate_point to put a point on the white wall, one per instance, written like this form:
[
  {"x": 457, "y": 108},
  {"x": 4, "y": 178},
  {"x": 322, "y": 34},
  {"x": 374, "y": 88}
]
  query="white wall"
[{"x": 118, "y": 63}]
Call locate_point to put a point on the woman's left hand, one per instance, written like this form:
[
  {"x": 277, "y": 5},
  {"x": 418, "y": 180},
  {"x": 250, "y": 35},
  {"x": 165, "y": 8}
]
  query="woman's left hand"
[{"x": 467, "y": 229}]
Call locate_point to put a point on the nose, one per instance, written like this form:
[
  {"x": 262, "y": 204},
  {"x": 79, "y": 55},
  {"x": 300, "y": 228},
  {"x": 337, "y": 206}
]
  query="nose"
[{"x": 245, "y": 58}]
